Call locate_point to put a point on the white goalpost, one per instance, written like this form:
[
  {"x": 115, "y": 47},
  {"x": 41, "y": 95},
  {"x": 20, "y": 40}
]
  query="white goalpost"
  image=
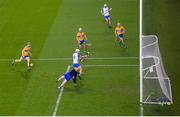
[
  {"x": 155, "y": 86},
  {"x": 140, "y": 58}
]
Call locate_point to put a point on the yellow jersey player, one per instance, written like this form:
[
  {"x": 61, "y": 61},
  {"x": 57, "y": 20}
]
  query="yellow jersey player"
[
  {"x": 81, "y": 39},
  {"x": 119, "y": 33},
  {"x": 25, "y": 55}
]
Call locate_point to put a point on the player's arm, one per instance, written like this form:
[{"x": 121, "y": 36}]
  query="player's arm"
[
  {"x": 115, "y": 32},
  {"x": 85, "y": 37},
  {"x": 83, "y": 58},
  {"x": 124, "y": 30},
  {"x": 110, "y": 9},
  {"x": 29, "y": 53},
  {"x": 77, "y": 39}
]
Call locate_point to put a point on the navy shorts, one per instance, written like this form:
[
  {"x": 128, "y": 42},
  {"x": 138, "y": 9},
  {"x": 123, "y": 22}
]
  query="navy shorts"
[
  {"x": 82, "y": 41},
  {"x": 76, "y": 65},
  {"x": 106, "y": 17},
  {"x": 24, "y": 57},
  {"x": 120, "y": 36}
]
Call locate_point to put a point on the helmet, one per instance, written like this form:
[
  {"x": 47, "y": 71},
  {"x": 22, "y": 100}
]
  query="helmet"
[
  {"x": 28, "y": 44},
  {"x": 118, "y": 24},
  {"x": 80, "y": 29},
  {"x": 77, "y": 50}
]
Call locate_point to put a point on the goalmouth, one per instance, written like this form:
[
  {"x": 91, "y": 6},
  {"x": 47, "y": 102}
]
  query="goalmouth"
[{"x": 156, "y": 86}]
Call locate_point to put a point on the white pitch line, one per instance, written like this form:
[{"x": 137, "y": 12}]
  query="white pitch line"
[
  {"x": 58, "y": 59},
  {"x": 110, "y": 65},
  {"x": 59, "y": 96}
]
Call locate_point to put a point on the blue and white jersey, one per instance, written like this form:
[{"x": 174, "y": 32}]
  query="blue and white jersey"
[
  {"x": 105, "y": 11},
  {"x": 76, "y": 58}
]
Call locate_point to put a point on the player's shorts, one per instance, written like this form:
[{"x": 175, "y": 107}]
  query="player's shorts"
[
  {"x": 82, "y": 42},
  {"x": 67, "y": 76},
  {"x": 76, "y": 65},
  {"x": 24, "y": 57},
  {"x": 106, "y": 17},
  {"x": 120, "y": 35}
]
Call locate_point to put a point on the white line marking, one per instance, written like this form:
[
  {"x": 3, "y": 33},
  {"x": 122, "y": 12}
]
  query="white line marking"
[
  {"x": 68, "y": 68},
  {"x": 110, "y": 65},
  {"x": 59, "y": 96},
  {"x": 59, "y": 59}
]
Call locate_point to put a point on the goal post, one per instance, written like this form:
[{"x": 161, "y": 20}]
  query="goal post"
[{"x": 156, "y": 86}]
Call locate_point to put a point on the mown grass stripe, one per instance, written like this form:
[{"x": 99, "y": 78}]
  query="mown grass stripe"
[{"x": 59, "y": 96}]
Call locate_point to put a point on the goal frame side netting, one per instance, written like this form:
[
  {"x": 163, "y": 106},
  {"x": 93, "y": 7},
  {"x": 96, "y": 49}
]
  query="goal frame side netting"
[{"x": 155, "y": 87}]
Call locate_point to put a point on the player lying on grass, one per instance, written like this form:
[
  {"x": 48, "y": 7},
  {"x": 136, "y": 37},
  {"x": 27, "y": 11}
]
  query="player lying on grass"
[
  {"x": 68, "y": 76},
  {"x": 119, "y": 33},
  {"x": 105, "y": 11},
  {"x": 25, "y": 56},
  {"x": 81, "y": 40},
  {"x": 76, "y": 60}
]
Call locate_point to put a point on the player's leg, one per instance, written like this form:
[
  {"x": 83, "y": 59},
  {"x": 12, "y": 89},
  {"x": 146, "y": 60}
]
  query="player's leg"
[
  {"x": 79, "y": 76},
  {"x": 79, "y": 45},
  {"x": 85, "y": 46},
  {"x": 74, "y": 79},
  {"x": 17, "y": 60},
  {"x": 109, "y": 22},
  {"x": 60, "y": 78},
  {"x": 123, "y": 42},
  {"x": 63, "y": 83},
  {"x": 75, "y": 66},
  {"x": 28, "y": 62},
  {"x": 81, "y": 70},
  {"x": 118, "y": 41},
  {"x": 66, "y": 77}
]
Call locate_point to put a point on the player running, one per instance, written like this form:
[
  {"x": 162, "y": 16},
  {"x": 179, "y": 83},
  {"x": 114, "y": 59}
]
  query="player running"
[
  {"x": 25, "y": 56},
  {"x": 68, "y": 76},
  {"x": 105, "y": 11},
  {"x": 119, "y": 32},
  {"x": 76, "y": 60},
  {"x": 81, "y": 40}
]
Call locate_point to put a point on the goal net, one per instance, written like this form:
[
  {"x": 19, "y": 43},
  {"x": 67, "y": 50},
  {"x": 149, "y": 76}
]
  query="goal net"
[{"x": 156, "y": 86}]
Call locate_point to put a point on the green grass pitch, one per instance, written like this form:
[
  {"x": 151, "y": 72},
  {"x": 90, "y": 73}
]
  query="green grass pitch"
[{"x": 51, "y": 25}]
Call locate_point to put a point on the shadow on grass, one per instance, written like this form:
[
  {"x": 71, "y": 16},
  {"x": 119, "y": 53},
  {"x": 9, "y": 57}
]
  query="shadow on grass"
[{"x": 24, "y": 73}]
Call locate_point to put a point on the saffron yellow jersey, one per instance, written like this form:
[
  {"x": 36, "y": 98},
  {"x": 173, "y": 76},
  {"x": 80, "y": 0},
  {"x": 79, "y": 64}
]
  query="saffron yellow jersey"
[
  {"x": 81, "y": 36},
  {"x": 26, "y": 50},
  {"x": 120, "y": 30}
]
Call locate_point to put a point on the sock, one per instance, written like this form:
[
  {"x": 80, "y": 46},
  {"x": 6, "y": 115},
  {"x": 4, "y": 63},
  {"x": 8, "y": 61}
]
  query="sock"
[
  {"x": 124, "y": 45},
  {"x": 120, "y": 44},
  {"x": 74, "y": 80}
]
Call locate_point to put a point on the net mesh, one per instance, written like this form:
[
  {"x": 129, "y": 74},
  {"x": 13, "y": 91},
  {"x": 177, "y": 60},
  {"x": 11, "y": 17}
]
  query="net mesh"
[{"x": 156, "y": 83}]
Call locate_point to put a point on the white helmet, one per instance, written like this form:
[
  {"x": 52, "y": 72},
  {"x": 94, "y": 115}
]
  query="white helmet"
[
  {"x": 105, "y": 5},
  {"x": 80, "y": 29},
  {"x": 77, "y": 50},
  {"x": 118, "y": 24}
]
